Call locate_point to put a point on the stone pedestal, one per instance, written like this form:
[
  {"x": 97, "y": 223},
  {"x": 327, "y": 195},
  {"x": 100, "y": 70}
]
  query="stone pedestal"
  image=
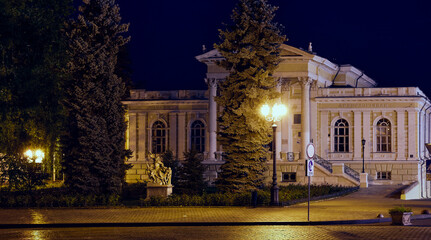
[
  {"x": 155, "y": 189},
  {"x": 338, "y": 168},
  {"x": 363, "y": 180}
]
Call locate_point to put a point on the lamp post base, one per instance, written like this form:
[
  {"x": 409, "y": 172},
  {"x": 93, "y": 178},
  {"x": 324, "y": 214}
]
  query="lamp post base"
[{"x": 274, "y": 196}]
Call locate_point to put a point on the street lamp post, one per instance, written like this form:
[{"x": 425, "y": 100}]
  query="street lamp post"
[
  {"x": 363, "y": 155},
  {"x": 274, "y": 115}
]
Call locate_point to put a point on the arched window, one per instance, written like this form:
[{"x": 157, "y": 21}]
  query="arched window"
[
  {"x": 158, "y": 137},
  {"x": 383, "y": 135},
  {"x": 341, "y": 136},
  {"x": 198, "y": 136}
]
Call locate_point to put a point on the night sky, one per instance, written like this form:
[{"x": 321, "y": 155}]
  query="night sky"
[{"x": 389, "y": 40}]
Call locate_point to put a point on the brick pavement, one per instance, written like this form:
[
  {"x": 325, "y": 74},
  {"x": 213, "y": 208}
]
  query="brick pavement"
[{"x": 364, "y": 204}]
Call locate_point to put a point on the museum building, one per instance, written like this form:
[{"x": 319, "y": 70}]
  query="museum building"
[{"x": 352, "y": 123}]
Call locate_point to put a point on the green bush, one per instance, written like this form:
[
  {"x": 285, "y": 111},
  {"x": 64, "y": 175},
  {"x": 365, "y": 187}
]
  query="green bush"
[
  {"x": 60, "y": 197},
  {"x": 134, "y": 191}
]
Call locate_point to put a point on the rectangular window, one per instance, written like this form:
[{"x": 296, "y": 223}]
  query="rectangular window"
[
  {"x": 383, "y": 175},
  {"x": 297, "y": 119},
  {"x": 289, "y": 177}
]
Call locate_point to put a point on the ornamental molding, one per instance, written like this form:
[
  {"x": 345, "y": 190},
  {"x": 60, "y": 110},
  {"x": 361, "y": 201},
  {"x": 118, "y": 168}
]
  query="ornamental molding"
[
  {"x": 211, "y": 82},
  {"x": 306, "y": 81}
]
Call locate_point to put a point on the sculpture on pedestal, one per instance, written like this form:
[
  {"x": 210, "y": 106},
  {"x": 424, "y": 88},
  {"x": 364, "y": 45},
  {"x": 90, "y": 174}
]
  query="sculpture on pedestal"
[{"x": 157, "y": 172}]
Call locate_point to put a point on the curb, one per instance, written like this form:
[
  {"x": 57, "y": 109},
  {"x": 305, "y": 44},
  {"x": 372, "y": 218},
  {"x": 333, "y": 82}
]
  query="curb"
[
  {"x": 202, "y": 224},
  {"x": 191, "y": 224}
]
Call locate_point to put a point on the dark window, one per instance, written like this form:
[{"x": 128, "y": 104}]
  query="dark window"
[
  {"x": 198, "y": 136},
  {"x": 289, "y": 177},
  {"x": 341, "y": 136},
  {"x": 297, "y": 119},
  {"x": 158, "y": 138},
  {"x": 383, "y": 135},
  {"x": 384, "y": 175}
]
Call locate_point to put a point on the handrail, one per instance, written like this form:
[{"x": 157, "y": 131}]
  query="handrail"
[{"x": 351, "y": 172}]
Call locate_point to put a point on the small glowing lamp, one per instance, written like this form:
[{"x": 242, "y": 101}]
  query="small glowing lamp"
[
  {"x": 265, "y": 110},
  {"x": 274, "y": 114},
  {"x": 39, "y": 155},
  {"x": 28, "y": 153},
  {"x": 278, "y": 111}
]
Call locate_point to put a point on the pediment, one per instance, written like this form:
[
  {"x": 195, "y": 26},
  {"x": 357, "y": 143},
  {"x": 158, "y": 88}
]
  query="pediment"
[
  {"x": 209, "y": 56},
  {"x": 289, "y": 51},
  {"x": 286, "y": 52}
]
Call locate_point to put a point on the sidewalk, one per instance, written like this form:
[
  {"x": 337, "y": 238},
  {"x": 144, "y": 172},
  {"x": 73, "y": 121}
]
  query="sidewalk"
[{"x": 361, "y": 207}]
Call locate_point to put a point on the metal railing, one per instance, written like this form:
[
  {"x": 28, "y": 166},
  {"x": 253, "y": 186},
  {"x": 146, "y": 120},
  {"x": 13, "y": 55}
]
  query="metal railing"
[
  {"x": 351, "y": 172},
  {"x": 322, "y": 162}
]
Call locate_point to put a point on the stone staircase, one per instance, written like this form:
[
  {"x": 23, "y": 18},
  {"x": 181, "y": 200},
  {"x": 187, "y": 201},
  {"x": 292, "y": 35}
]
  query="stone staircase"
[{"x": 328, "y": 166}]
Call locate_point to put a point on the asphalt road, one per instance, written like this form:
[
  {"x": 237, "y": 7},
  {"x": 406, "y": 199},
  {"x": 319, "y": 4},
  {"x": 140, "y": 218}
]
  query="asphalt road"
[{"x": 382, "y": 231}]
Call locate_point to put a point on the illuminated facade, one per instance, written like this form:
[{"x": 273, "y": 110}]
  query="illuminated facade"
[{"x": 333, "y": 106}]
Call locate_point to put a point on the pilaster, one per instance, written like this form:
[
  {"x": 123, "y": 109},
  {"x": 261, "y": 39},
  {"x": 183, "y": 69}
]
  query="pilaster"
[
  {"x": 173, "y": 133},
  {"x": 366, "y": 126},
  {"x": 401, "y": 135},
  {"x": 142, "y": 126},
  {"x": 412, "y": 134},
  {"x": 324, "y": 139},
  {"x": 181, "y": 135},
  {"x": 357, "y": 135},
  {"x": 132, "y": 135}
]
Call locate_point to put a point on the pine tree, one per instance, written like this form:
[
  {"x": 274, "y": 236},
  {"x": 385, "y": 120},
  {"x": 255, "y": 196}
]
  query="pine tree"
[
  {"x": 191, "y": 179},
  {"x": 250, "y": 47},
  {"x": 169, "y": 162},
  {"x": 32, "y": 57},
  {"x": 94, "y": 139}
]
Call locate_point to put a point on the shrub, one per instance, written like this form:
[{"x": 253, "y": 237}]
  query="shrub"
[{"x": 399, "y": 209}]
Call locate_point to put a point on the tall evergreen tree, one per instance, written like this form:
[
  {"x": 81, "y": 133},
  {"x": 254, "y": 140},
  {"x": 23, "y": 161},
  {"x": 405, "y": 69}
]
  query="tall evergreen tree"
[
  {"x": 32, "y": 57},
  {"x": 191, "y": 179},
  {"x": 94, "y": 140},
  {"x": 250, "y": 47}
]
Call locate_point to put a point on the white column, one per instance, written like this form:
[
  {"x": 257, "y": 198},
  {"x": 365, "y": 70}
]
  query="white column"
[
  {"x": 357, "y": 141},
  {"x": 305, "y": 114},
  {"x": 279, "y": 128},
  {"x": 287, "y": 121},
  {"x": 212, "y": 110}
]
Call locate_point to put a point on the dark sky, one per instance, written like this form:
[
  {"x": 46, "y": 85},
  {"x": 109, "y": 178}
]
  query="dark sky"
[{"x": 389, "y": 40}]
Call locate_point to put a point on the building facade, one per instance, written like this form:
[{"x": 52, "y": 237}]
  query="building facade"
[{"x": 351, "y": 122}]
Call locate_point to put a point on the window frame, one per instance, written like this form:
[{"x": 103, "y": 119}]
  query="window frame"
[
  {"x": 383, "y": 135},
  {"x": 201, "y": 137},
  {"x": 384, "y": 175},
  {"x": 159, "y": 137},
  {"x": 345, "y": 136},
  {"x": 292, "y": 177}
]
